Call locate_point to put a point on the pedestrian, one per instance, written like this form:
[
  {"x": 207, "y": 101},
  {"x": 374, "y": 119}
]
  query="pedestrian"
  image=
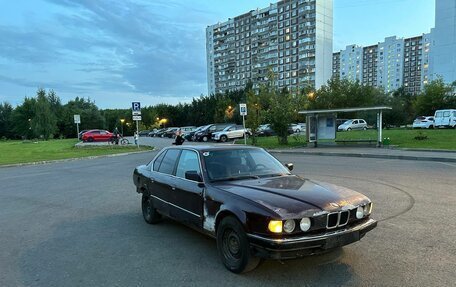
[
  {"x": 136, "y": 136},
  {"x": 179, "y": 139},
  {"x": 116, "y": 135}
]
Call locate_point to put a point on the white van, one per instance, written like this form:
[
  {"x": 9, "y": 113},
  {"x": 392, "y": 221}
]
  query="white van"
[{"x": 445, "y": 118}]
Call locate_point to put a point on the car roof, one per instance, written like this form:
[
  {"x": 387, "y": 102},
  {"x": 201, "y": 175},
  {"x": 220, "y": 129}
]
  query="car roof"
[{"x": 213, "y": 147}]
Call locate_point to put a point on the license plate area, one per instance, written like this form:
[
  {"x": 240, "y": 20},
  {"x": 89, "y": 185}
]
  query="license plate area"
[{"x": 341, "y": 240}]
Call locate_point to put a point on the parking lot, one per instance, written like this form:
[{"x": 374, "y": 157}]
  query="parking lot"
[{"x": 79, "y": 223}]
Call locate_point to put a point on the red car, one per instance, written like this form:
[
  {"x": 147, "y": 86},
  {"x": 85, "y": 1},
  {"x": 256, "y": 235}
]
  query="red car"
[{"x": 97, "y": 135}]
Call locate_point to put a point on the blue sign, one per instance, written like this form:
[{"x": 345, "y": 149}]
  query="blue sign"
[{"x": 136, "y": 106}]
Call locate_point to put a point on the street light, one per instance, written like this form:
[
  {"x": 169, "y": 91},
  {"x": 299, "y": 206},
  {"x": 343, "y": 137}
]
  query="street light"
[{"x": 122, "y": 122}]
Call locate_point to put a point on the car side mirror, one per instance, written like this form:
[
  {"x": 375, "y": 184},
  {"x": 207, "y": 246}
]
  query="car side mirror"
[
  {"x": 289, "y": 166},
  {"x": 193, "y": 175}
]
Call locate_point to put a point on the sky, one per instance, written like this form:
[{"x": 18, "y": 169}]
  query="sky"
[{"x": 152, "y": 51}]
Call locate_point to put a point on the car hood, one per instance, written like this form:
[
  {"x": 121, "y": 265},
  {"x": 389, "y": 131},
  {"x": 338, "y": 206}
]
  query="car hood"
[{"x": 295, "y": 197}]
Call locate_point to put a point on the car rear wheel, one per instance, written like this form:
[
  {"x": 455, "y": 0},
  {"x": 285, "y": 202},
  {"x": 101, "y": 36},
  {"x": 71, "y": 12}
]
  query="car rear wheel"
[
  {"x": 365, "y": 128},
  {"x": 149, "y": 212},
  {"x": 90, "y": 139},
  {"x": 233, "y": 246},
  {"x": 223, "y": 138},
  {"x": 431, "y": 127}
]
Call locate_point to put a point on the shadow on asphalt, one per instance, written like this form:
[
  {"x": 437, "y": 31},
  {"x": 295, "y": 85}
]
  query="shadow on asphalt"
[{"x": 122, "y": 250}]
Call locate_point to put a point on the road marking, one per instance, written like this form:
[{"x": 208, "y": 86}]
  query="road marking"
[{"x": 448, "y": 164}]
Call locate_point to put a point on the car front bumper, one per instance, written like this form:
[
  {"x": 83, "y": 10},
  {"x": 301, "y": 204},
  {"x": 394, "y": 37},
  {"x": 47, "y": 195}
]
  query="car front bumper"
[{"x": 289, "y": 248}]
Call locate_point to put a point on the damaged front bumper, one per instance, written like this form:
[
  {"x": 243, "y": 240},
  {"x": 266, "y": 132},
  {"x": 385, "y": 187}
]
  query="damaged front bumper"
[{"x": 289, "y": 248}]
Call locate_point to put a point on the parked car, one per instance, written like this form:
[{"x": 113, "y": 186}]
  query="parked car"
[
  {"x": 230, "y": 132},
  {"x": 251, "y": 203},
  {"x": 266, "y": 130},
  {"x": 170, "y": 133},
  {"x": 81, "y": 133},
  {"x": 160, "y": 132},
  {"x": 294, "y": 129},
  {"x": 423, "y": 122},
  {"x": 355, "y": 124},
  {"x": 97, "y": 136},
  {"x": 445, "y": 118},
  {"x": 154, "y": 132},
  {"x": 187, "y": 129},
  {"x": 340, "y": 121},
  {"x": 189, "y": 135},
  {"x": 144, "y": 133},
  {"x": 205, "y": 134}
]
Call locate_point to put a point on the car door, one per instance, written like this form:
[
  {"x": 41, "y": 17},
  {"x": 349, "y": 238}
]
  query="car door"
[
  {"x": 162, "y": 180},
  {"x": 354, "y": 125},
  {"x": 187, "y": 200}
]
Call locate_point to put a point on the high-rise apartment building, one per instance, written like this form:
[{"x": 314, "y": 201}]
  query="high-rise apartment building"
[
  {"x": 336, "y": 65},
  {"x": 391, "y": 64},
  {"x": 369, "y": 73},
  {"x": 443, "y": 47},
  {"x": 351, "y": 63},
  {"x": 293, "y": 38}
]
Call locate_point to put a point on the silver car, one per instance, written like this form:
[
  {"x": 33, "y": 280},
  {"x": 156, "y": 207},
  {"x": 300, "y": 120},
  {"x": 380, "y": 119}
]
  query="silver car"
[{"x": 355, "y": 124}]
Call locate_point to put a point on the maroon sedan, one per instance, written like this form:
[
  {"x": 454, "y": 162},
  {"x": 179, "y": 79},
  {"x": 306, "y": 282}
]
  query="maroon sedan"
[{"x": 97, "y": 135}]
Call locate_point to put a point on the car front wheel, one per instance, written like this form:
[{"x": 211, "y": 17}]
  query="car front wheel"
[
  {"x": 364, "y": 128},
  {"x": 149, "y": 212},
  {"x": 223, "y": 138},
  {"x": 234, "y": 248},
  {"x": 205, "y": 138}
]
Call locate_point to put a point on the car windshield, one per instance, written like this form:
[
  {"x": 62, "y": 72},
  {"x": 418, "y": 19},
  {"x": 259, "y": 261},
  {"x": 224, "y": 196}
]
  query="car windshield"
[
  {"x": 237, "y": 164},
  {"x": 348, "y": 122},
  {"x": 227, "y": 128}
]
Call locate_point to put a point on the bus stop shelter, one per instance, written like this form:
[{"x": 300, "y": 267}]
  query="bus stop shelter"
[{"x": 321, "y": 124}]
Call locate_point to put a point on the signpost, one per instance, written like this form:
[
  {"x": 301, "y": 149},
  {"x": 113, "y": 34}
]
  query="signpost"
[
  {"x": 243, "y": 112},
  {"x": 136, "y": 112},
  {"x": 77, "y": 121}
]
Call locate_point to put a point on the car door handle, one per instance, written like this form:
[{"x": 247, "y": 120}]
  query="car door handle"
[{"x": 173, "y": 187}]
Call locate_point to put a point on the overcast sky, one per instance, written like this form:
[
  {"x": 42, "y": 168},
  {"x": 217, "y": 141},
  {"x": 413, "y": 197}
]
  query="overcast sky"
[{"x": 152, "y": 51}]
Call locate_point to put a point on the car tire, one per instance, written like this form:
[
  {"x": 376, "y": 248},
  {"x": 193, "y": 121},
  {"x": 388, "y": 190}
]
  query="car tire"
[
  {"x": 349, "y": 129},
  {"x": 205, "y": 139},
  {"x": 431, "y": 127},
  {"x": 364, "y": 128},
  {"x": 223, "y": 138},
  {"x": 150, "y": 214},
  {"x": 90, "y": 139},
  {"x": 297, "y": 131},
  {"x": 234, "y": 247}
]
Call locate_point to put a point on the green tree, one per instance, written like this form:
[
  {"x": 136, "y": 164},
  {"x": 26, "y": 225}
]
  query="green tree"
[
  {"x": 281, "y": 113},
  {"x": 6, "y": 120},
  {"x": 44, "y": 124},
  {"x": 253, "y": 119},
  {"x": 436, "y": 95},
  {"x": 22, "y": 118}
]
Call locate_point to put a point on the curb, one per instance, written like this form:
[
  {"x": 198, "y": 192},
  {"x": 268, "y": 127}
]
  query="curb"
[
  {"x": 364, "y": 155},
  {"x": 73, "y": 159}
]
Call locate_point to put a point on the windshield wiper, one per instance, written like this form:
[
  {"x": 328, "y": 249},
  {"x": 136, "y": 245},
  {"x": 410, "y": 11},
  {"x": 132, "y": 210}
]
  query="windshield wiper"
[
  {"x": 273, "y": 175},
  {"x": 236, "y": 178}
]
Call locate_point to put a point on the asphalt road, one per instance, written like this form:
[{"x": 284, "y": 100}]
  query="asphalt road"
[{"x": 79, "y": 223}]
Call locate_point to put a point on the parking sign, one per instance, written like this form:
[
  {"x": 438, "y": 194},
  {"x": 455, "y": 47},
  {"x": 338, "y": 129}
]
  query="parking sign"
[
  {"x": 136, "y": 108},
  {"x": 243, "y": 109}
]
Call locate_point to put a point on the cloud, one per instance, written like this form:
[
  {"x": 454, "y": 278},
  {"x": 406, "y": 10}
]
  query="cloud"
[{"x": 151, "y": 48}]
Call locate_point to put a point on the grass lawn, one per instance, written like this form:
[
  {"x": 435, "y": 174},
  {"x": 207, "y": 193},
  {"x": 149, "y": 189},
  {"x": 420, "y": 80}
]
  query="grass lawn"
[
  {"x": 12, "y": 152},
  {"x": 403, "y": 138}
]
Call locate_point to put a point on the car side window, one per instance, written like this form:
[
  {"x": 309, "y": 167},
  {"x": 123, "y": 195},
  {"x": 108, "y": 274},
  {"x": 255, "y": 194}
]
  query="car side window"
[
  {"x": 169, "y": 161},
  {"x": 188, "y": 161},
  {"x": 438, "y": 115},
  {"x": 355, "y": 122},
  {"x": 446, "y": 114},
  {"x": 158, "y": 161}
]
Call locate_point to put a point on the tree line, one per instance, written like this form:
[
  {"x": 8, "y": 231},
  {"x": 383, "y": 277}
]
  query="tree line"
[{"x": 44, "y": 116}]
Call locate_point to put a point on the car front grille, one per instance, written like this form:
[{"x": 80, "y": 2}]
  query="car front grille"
[{"x": 337, "y": 219}]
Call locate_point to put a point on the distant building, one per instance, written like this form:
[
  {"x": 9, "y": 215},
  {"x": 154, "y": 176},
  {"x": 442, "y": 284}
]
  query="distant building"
[
  {"x": 291, "y": 37},
  {"x": 351, "y": 63},
  {"x": 369, "y": 73},
  {"x": 410, "y": 63},
  {"x": 443, "y": 47}
]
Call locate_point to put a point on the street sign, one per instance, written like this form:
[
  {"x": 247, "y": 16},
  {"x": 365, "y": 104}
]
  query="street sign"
[
  {"x": 243, "y": 109},
  {"x": 136, "y": 117},
  {"x": 77, "y": 119},
  {"x": 136, "y": 108}
]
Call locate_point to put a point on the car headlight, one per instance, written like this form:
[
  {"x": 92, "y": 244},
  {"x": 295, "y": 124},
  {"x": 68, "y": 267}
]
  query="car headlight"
[
  {"x": 360, "y": 212},
  {"x": 289, "y": 225},
  {"x": 305, "y": 224},
  {"x": 275, "y": 226}
]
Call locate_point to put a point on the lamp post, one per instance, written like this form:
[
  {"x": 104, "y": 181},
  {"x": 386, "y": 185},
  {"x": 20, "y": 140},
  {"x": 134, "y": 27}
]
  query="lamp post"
[{"x": 121, "y": 123}]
